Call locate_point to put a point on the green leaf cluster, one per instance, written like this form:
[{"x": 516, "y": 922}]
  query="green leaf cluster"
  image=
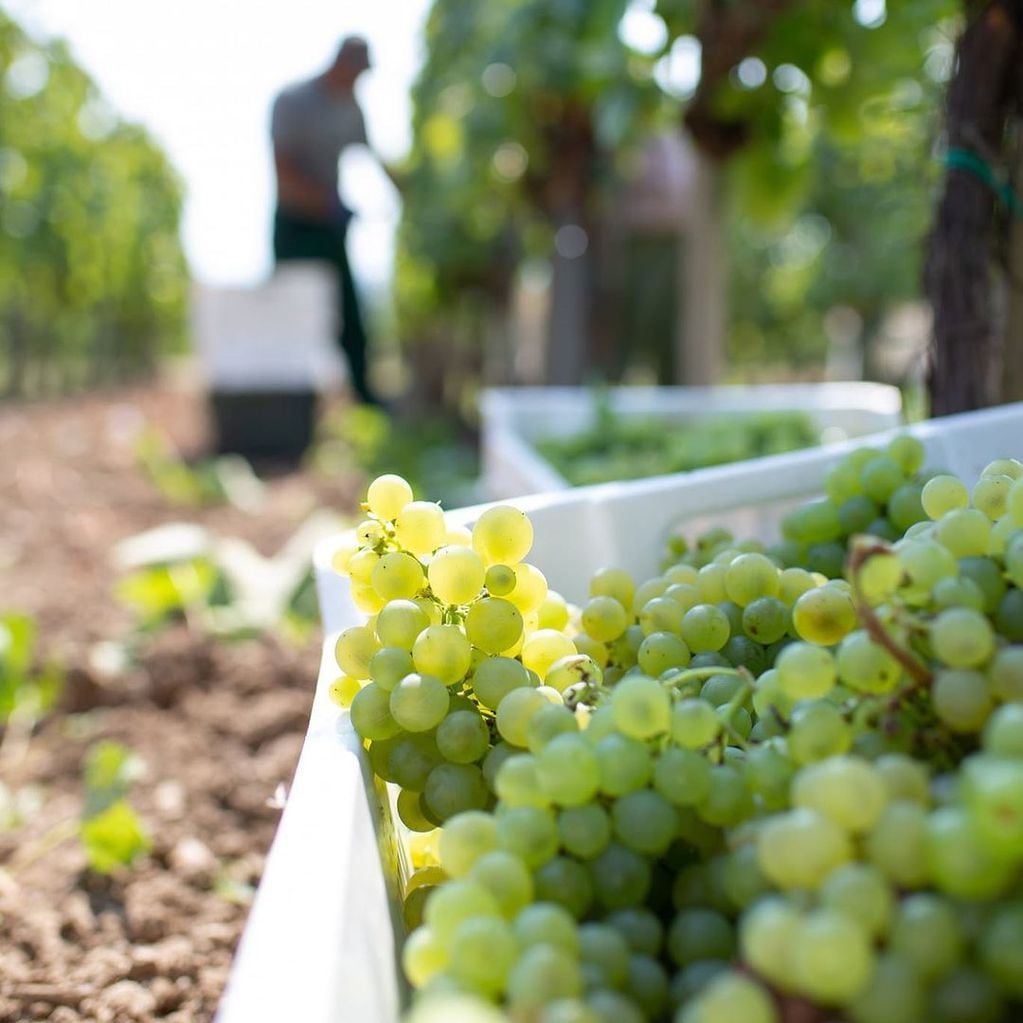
[
  {"x": 164, "y": 592},
  {"x": 93, "y": 282},
  {"x": 222, "y": 586},
  {"x": 831, "y": 200}
]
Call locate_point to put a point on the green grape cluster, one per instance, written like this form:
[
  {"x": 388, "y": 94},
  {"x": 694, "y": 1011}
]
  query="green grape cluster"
[
  {"x": 872, "y": 491},
  {"x": 457, "y": 623},
  {"x": 741, "y": 786}
]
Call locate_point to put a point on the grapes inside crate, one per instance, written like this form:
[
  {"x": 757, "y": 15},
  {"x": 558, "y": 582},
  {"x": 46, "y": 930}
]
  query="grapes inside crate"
[
  {"x": 543, "y": 439},
  {"x": 732, "y": 787}
]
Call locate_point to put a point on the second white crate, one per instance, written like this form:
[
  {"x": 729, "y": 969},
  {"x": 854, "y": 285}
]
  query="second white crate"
[{"x": 515, "y": 418}]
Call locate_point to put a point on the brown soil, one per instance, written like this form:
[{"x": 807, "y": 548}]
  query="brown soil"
[{"x": 219, "y": 727}]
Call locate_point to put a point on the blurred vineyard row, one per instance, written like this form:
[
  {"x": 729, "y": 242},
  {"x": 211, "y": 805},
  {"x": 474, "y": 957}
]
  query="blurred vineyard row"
[
  {"x": 93, "y": 282},
  {"x": 597, "y": 189}
]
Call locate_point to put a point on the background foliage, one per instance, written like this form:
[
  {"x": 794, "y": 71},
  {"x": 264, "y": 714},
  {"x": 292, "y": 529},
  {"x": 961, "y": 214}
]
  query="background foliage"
[
  {"x": 93, "y": 281},
  {"x": 832, "y": 184},
  {"x": 821, "y": 116},
  {"x": 523, "y": 108}
]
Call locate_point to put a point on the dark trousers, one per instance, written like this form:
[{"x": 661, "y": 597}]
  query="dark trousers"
[{"x": 297, "y": 237}]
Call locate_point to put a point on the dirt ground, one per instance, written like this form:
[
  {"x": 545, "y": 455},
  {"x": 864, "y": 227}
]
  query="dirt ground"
[{"x": 218, "y": 726}]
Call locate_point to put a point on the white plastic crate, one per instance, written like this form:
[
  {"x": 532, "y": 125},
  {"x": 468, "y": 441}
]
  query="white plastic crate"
[
  {"x": 276, "y": 336},
  {"x": 515, "y": 418},
  {"x": 320, "y": 942}
]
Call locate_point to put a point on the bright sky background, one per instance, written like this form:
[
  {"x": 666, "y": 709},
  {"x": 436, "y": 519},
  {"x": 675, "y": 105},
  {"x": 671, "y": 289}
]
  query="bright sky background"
[{"x": 201, "y": 75}]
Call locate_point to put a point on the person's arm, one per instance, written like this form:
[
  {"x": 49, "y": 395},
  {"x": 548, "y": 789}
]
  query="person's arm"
[{"x": 396, "y": 177}]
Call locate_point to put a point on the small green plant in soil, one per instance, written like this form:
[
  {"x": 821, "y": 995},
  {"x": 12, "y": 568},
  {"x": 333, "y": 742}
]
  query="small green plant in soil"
[
  {"x": 26, "y": 692},
  {"x": 162, "y": 593},
  {"x": 111, "y": 833}
]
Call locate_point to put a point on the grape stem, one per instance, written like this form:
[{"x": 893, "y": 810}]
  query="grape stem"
[
  {"x": 858, "y": 557},
  {"x": 700, "y": 675},
  {"x": 452, "y": 616},
  {"x": 728, "y": 711}
]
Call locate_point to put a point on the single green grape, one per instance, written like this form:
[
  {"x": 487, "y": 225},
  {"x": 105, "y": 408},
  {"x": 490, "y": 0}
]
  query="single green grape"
[
  {"x": 962, "y": 638},
  {"x": 543, "y": 648},
  {"x": 806, "y": 671},
  {"x": 824, "y": 615},
  {"x": 566, "y": 881},
  {"x": 354, "y": 649},
  {"x": 907, "y": 452},
  {"x": 387, "y": 495},
  {"x": 400, "y": 622},
  {"x": 641, "y": 707},
  {"x": 463, "y": 737},
  {"x": 604, "y": 618},
  {"x": 419, "y": 702},
  {"x": 705, "y": 628},
  {"x": 529, "y": 832},
  {"x": 846, "y": 789},
  {"x": 499, "y": 580},
  {"x": 832, "y": 958},
  {"x": 397, "y": 576},
  {"x": 464, "y": 839},
  {"x": 443, "y": 652},
  {"x": 767, "y": 934},
  {"x": 569, "y": 770},
  {"x": 493, "y": 624},
  {"x": 419, "y": 527},
  {"x": 897, "y": 843},
  {"x": 502, "y": 535},
  {"x": 585, "y": 831},
  {"x": 515, "y": 711},
  {"x": 507, "y": 878},
  {"x": 926, "y": 933},
  {"x": 943, "y": 494},
  {"x": 495, "y": 677},
  {"x": 483, "y": 952},
  {"x": 862, "y": 893},
  {"x": 644, "y": 821},
  {"x": 799, "y": 848},
  {"x": 624, "y": 763}
]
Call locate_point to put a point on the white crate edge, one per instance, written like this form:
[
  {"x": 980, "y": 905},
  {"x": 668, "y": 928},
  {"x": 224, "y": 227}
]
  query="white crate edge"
[
  {"x": 322, "y": 890},
  {"x": 319, "y": 943},
  {"x": 513, "y": 418}
]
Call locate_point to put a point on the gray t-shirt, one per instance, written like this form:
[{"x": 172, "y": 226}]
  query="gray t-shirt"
[{"x": 313, "y": 127}]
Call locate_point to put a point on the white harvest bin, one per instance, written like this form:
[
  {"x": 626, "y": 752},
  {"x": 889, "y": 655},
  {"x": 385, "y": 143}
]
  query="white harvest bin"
[
  {"x": 320, "y": 942},
  {"x": 278, "y": 335},
  {"x": 515, "y": 418},
  {"x": 267, "y": 351}
]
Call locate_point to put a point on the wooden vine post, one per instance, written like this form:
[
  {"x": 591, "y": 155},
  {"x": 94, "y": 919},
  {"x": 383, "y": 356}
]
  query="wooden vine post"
[{"x": 965, "y": 287}]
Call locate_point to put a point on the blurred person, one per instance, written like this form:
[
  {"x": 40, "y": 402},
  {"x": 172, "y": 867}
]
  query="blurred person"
[{"x": 313, "y": 122}]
